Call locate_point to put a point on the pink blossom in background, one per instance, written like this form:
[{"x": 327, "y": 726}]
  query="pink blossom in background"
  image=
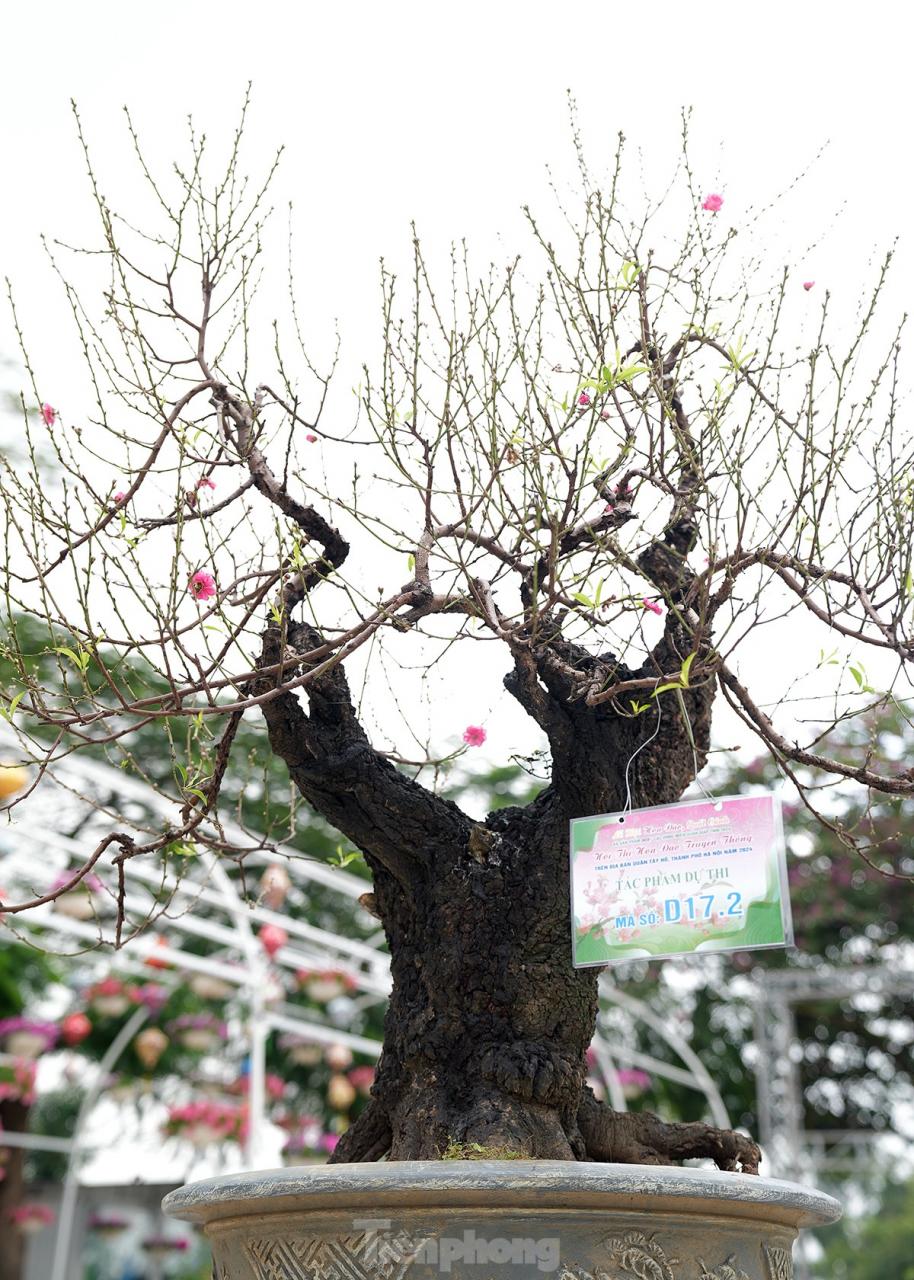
[
  {"x": 712, "y": 203},
  {"x": 49, "y": 413},
  {"x": 608, "y": 509},
  {"x": 583, "y": 399},
  {"x": 202, "y": 585},
  {"x": 205, "y": 483},
  {"x": 653, "y": 606},
  {"x": 272, "y": 938},
  {"x": 311, "y": 439},
  {"x": 630, "y": 1078},
  {"x": 120, "y": 496},
  {"x": 474, "y": 735},
  {"x": 808, "y": 284},
  {"x": 329, "y": 1141}
]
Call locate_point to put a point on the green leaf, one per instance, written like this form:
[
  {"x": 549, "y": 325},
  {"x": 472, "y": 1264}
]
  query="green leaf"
[
  {"x": 685, "y": 669},
  {"x": 10, "y": 711},
  {"x": 665, "y": 688},
  {"x": 411, "y": 562},
  {"x": 182, "y": 849},
  {"x": 582, "y": 599},
  {"x": 341, "y": 859}
]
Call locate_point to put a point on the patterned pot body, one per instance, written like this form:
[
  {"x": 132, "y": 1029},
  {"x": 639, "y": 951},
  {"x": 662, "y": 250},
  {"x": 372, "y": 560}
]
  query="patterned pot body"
[{"x": 500, "y": 1220}]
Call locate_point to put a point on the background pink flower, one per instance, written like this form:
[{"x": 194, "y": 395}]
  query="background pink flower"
[
  {"x": 653, "y": 606},
  {"x": 120, "y": 496},
  {"x": 474, "y": 735},
  {"x": 712, "y": 203},
  {"x": 272, "y": 938},
  {"x": 49, "y": 413},
  {"x": 205, "y": 483},
  {"x": 202, "y": 585},
  {"x": 808, "y": 284}
]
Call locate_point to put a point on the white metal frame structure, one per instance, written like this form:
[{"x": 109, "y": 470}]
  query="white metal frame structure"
[
  {"x": 69, "y": 813},
  {"x": 794, "y": 1151}
]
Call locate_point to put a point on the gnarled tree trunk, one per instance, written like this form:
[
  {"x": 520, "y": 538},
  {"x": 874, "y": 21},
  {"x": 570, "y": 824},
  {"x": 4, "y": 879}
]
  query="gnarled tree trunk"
[{"x": 488, "y": 1023}]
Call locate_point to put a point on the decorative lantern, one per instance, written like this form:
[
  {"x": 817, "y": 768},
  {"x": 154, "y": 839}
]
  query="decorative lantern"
[
  {"x": 340, "y": 1093},
  {"x": 362, "y": 1078},
  {"x": 80, "y": 903},
  {"x": 198, "y": 1032},
  {"x": 322, "y": 987},
  {"x": 302, "y": 1052},
  {"x": 274, "y": 886},
  {"x": 207, "y": 987},
  {"x": 26, "y": 1037},
  {"x": 163, "y": 1246},
  {"x": 109, "y": 998},
  {"x": 74, "y": 1028},
  {"x": 338, "y": 1057},
  {"x": 76, "y": 905},
  {"x": 149, "y": 1046},
  {"x": 104, "y": 1224},
  {"x": 12, "y": 779},
  {"x": 31, "y": 1217},
  {"x": 154, "y": 961},
  {"x": 272, "y": 939}
]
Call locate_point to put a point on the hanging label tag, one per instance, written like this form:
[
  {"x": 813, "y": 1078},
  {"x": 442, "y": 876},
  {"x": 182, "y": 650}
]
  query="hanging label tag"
[{"x": 697, "y": 876}]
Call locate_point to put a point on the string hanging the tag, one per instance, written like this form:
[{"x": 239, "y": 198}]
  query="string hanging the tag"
[
  {"x": 628, "y": 765},
  {"x": 688, "y": 727}
]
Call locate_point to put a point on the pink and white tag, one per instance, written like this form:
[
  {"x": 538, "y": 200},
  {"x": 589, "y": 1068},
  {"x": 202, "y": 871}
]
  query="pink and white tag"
[{"x": 679, "y": 879}]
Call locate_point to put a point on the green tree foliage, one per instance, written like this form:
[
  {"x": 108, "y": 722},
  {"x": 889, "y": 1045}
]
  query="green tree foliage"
[{"x": 880, "y": 1247}]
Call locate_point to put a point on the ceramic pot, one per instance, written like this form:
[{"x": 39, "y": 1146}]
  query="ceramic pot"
[{"x": 503, "y": 1220}]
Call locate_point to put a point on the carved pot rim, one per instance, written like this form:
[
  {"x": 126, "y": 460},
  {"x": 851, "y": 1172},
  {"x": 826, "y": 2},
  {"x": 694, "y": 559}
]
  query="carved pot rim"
[{"x": 541, "y": 1185}]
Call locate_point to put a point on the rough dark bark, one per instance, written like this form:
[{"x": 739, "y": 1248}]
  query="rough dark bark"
[
  {"x": 14, "y": 1116},
  {"x": 488, "y": 1022}
]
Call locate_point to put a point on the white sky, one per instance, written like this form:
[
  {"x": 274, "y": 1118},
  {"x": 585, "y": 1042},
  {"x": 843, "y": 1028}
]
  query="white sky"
[{"x": 448, "y": 115}]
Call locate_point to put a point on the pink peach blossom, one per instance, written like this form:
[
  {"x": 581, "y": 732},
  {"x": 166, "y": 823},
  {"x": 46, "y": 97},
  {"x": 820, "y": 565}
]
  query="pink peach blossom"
[
  {"x": 202, "y": 585},
  {"x": 584, "y": 400},
  {"x": 311, "y": 439},
  {"x": 808, "y": 284},
  {"x": 474, "y": 735},
  {"x": 653, "y": 606},
  {"x": 712, "y": 203},
  {"x": 49, "y": 413},
  {"x": 120, "y": 496},
  {"x": 206, "y": 483}
]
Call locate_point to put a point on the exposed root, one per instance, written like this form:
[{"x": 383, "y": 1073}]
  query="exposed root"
[
  {"x": 367, "y": 1138},
  {"x": 642, "y": 1138}
]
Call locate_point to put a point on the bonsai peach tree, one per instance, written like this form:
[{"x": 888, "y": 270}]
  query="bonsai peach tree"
[{"x": 649, "y": 479}]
